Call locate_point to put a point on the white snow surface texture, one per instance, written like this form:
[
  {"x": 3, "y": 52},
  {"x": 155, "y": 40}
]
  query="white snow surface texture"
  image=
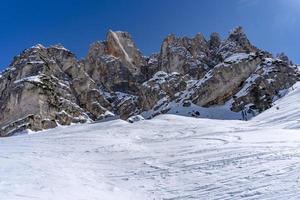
[{"x": 168, "y": 157}]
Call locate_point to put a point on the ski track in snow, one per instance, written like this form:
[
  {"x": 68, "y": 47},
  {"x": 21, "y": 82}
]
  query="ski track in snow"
[{"x": 168, "y": 157}]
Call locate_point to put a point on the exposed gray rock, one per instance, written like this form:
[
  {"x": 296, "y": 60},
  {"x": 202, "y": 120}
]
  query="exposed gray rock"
[
  {"x": 44, "y": 87},
  {"x": 265, "y": 85},
  {"x": 161, "y": 86},
  {"x": 151, "y": 67},
  {"x": 237, "y": 42},
  {"x": 121, "y": 45},
  {"x": 246, "y": 83},
  {"x": 214, "y": 41},
  {"x": 223, "y": 81},
  {"x": 185, "y": 55},
  {"x": 41, "y": 83},
  {"x": 116, "y": 63}
]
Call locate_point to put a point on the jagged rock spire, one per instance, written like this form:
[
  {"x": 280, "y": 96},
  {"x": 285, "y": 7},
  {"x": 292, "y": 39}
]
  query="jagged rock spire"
[
  {"x": 49, "y": 86},
  {"x": 120, "y": 44},
  {"x": 238, "y": 35},
  {"x": 214, "y": 41}
]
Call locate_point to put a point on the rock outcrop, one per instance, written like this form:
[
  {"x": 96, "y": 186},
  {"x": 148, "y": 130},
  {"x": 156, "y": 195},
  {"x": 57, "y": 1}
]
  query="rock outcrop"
[
  {"x": 36, "y": 89},
  {"x": 185, "y": 55},
  {"x": 237, "y": 42},
  {"x": 116, "y": 63},
  {"x": 44, "y": 87},
  {"x": 162, "y": 86}
]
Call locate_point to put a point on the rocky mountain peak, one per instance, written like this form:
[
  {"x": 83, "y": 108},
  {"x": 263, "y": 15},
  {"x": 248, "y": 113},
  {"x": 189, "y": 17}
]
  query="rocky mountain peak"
[
  {"x": 238, "y": 35},
  {"x": 169, "y": 39},
  {"x": 59, "y": 47},
  {"x": 236, "y": 42},
  {"x": 214, "y": 41},
  {"x": 97, "y": 49},
  {"x": 185, "y": 55},
  {"x": 116, "y": 63},
  {"x": 282, "y": 56},
  {"x": 121, "y": 45},
  {"x": 38, "y": 46},
  {"x": 199, "y": 38},
  {"x": 237, "y": 32},
  {"x": 47, "y": 86}
]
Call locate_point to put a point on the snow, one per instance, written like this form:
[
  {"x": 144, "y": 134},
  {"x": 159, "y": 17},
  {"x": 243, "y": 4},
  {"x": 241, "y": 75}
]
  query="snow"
[
  {"x": 269, "y": 60},
  {"x": 248, "y": 83},
  {"x": 36, "y": 62},
  {"x": 168, "y": 157},
  {"x": 166, "y": 105},
  {"x": 237, "y": 57},
  {"x": 29, "y": 79},
  {"x": 159, "y": 78},
  {"x": 38, "y": 46},
  {"x": 135, "y": 118},
  {"x": 285, "y": 112},
  {"x": 59, "y": 47},
  {"x": 152, "y": 60},
  {"x": 213, "y": 112}
]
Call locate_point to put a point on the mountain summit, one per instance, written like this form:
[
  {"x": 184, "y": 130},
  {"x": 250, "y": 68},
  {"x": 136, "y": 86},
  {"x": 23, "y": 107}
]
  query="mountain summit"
[{"x": 214, "y": 78}]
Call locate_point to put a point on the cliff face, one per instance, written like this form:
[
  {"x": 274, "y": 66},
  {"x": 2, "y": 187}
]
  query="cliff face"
[{"x": 44, "y": 87}]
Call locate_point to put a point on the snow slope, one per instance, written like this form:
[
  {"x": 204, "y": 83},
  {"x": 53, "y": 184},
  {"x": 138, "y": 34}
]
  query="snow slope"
[
  {"x": 285, "y": 113},
  {"x": 168, "y": 157}
]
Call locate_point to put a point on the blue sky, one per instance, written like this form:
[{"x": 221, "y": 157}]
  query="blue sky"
[{"x": 273, "y": 25}]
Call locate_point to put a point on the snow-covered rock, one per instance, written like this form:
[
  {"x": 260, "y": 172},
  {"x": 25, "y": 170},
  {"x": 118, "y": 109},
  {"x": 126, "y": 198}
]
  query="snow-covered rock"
[
  {"x": 168, "y": 157},
  {"x": 237, "y": 42},
  {"x": 135, "y": 118},
  {"x": 225, "y": 79},
  {"x": 185, "y": 55},
  {"x": 37, "y": 93}
]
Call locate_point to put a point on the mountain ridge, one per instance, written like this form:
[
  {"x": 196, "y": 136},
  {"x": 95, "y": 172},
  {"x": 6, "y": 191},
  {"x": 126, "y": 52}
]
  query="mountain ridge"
[{"x": 45, "y": 87}]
